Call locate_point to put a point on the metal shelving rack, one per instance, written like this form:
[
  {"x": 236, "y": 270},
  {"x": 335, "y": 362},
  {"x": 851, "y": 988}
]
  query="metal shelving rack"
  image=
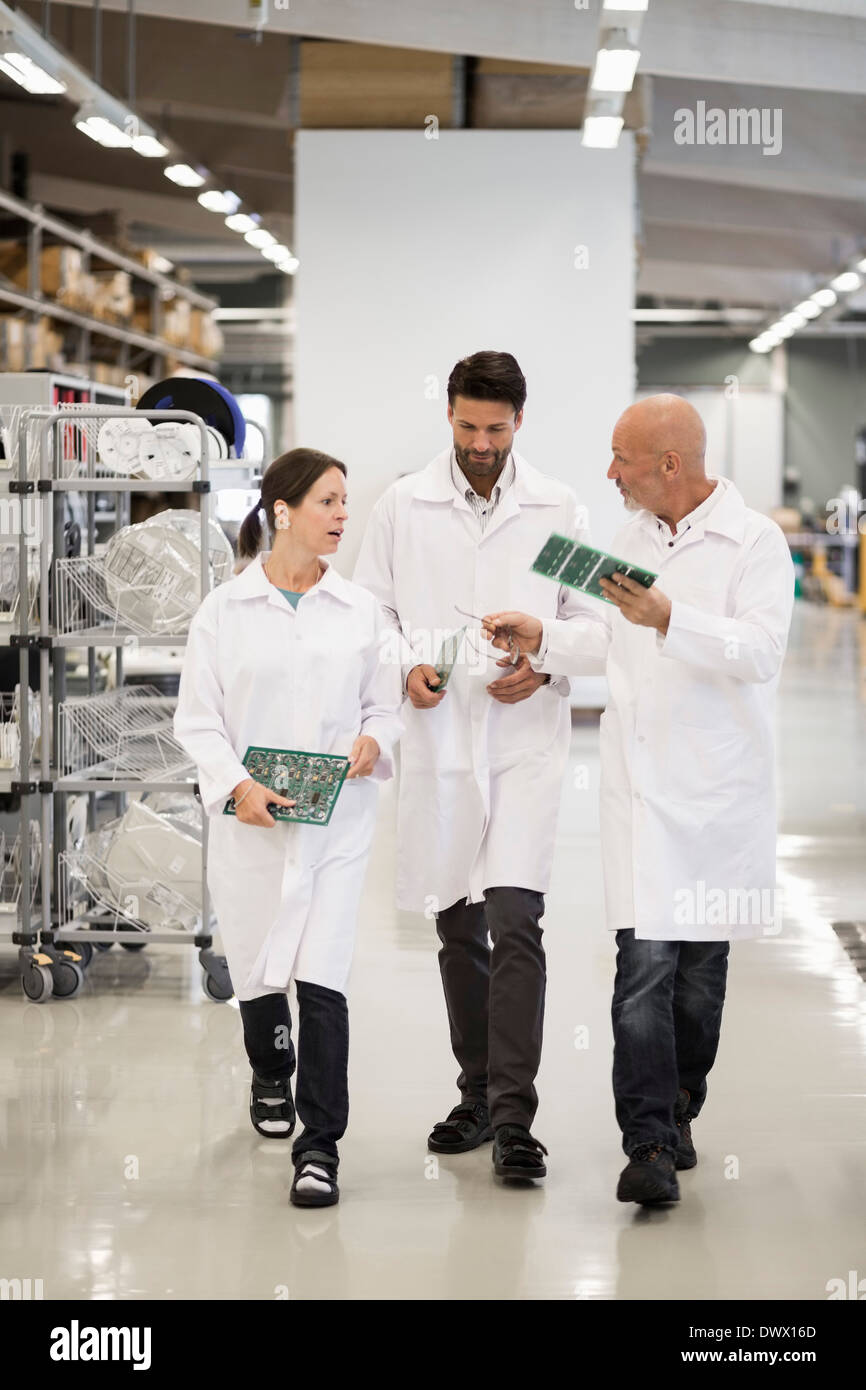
[
  {"x": 160, "y": 287},
  {"x": 56, "y": 943}
]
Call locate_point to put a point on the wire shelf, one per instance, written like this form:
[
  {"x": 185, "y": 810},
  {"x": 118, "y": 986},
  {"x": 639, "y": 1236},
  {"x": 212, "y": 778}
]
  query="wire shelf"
[
  {"x": 142, "y": 870},
  {"x": 10, "y": 731},
  {"x": 123, "y": 734},
  {"x": 10, "y": 874},
  {"x": 11, "y": 590}
]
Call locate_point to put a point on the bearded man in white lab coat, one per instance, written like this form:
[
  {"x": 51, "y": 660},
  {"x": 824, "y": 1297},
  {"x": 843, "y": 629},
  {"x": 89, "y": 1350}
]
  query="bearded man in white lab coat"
[
  {"x": 482, "y": 760},
  {"x": 688, "y": 821}
]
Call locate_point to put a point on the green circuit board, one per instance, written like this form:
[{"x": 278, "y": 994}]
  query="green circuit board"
[
  {"x": 582, "y": 566},
  {"x": 447, "y": 658},
  {"x": 312, "y": 780}
]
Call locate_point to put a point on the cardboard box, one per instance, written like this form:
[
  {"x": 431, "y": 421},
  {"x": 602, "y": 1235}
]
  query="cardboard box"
[{"x": 13, "y": 344}]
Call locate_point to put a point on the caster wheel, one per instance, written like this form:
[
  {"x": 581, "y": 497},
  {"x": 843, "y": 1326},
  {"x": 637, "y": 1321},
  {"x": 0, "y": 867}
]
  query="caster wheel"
[
  {"x": 38, "y": 983},
  {"x": 84, "y": 949},
  {"x": 68, "y": 978},
  {"x": 214, "y": 990},
  {"x": 137, "y": 944},
  {"x": 103, "y": 945}
]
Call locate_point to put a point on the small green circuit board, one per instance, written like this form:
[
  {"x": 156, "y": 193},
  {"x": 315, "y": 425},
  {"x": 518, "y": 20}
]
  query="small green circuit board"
[
  {"x": 447, "y": 658},
  {"x": 312, "y": 780},
  {"x": 582, "y": 566}
]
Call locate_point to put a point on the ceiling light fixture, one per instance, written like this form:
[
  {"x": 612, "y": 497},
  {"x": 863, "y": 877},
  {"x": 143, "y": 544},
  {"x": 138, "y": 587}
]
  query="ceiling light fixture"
[
  {"x": 215, "y": 201},
  {"x": 184, "y": 175},
  {"x": 241, "y": 222},
  {"x": 259, "y": 238},
  {"x": 28, "y": 74},
  {"x": 846, "y": 282},
  {"x": 615, "y": 63}
]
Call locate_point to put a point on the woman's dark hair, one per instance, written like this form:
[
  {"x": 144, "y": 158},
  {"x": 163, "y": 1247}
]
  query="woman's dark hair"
[
  {"x": 488, "y": 376},
  {"x": 288, "y": 479}
]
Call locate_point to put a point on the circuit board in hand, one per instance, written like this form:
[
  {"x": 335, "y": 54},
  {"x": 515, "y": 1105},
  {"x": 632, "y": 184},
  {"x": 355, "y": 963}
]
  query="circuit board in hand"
[
  {"x": 582, "y": 566},
  {"x": 312, "y": 780},
  {"x": 447, "y": 658}
]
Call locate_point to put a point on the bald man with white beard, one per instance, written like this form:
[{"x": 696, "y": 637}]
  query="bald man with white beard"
[{"x": 688, "y": 820}]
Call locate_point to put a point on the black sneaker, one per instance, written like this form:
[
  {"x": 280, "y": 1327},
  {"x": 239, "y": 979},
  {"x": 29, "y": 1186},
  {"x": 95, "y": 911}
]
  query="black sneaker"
[
  {"x": 649, "y": 1177},
  {"x": 685, "y": 1156}
]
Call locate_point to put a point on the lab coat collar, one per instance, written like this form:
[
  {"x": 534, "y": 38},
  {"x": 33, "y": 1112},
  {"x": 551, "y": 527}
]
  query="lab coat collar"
[
  {"x": 252, "y": 582},
  {"x": 435, "y": 484},
  {"x": 727, "y": 516}
]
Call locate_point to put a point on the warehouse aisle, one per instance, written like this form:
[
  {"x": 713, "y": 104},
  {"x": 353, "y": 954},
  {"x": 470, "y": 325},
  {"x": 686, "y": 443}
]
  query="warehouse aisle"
[{"x": 128, "y": 1167}]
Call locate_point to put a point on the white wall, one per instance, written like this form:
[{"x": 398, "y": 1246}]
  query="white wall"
[{"x": 416, "y": 252}]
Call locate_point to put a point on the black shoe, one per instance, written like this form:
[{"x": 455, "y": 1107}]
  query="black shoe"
[
  {"x": 516, "y": 1154},
  {"x": 685, "y": 1156},
  {"x": 467, "y": 1126},
  {"x": 319, "y": 1170},
  {"x": 272, "y": 1121},
  {"x": 649, "y": 1177}
]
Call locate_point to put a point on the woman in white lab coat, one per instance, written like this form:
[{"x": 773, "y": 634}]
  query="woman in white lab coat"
[{"x": 287, "y": 654}]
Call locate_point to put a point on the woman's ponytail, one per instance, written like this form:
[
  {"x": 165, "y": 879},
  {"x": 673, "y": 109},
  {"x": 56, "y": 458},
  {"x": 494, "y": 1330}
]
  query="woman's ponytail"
[{"x": 250, "y": 534}]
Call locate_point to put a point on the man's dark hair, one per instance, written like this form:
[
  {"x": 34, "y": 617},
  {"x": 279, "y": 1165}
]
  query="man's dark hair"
[{"x": 488, "y": 376}]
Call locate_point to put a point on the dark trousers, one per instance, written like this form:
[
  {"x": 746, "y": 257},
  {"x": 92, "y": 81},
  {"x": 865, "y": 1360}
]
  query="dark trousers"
[
  {"x": 667, "y": 1014},
  {"x": 495, "y": 998},
  {"x": 322, "y": 1091}
]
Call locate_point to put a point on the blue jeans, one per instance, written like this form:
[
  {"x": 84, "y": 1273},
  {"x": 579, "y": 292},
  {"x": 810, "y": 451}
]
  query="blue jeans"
[
  {"x": 322, "y": 1091},
  {"x": 667, "y": 1014}
]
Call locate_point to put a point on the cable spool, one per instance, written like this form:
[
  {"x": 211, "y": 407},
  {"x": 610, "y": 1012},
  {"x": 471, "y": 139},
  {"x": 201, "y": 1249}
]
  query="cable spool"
[
  {"x": 208, "y": 399},
  {"x": 118, "y": 441},
  {"x": 172, "y": 450}
]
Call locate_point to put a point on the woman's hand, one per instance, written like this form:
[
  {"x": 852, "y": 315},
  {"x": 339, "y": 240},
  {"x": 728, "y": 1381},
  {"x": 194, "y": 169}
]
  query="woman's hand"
[
  {"x": 255, "y": 799},
  {"x": 362, "y": 759}
]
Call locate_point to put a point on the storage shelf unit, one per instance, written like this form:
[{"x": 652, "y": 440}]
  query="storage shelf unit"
[
  {"x": 159, "y": 287},
  {"x": 57, "y": 942}
]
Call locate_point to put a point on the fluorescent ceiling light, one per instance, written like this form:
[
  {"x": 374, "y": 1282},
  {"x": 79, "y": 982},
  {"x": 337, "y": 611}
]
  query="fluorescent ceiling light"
[
  {"x": 847, "y": 281},
  {"x": 289, "y": 266},
  {"x": 149, "y": 147},
  {"x": 277, "y": 252},
  {"x": 809, "y": 309},
  {"x": 782, "y": 330},
  {"x": 241, "y": 222},
  {"x": 615, "y": 66},
  {"x": 215, "y": 201},
  {"x": 103, "y": 131},
  {"x": 259, "y": 238},
  {"x": 826, "y": 298},
  {"x": 183, "y": 176},
  {"x": 602, "y": 132},
  {"x": 760, "y": 344},
  {"x": 794, "y": 319},
  {"x": 29, "y": 75},
  {"x": 861, "y": 265}
]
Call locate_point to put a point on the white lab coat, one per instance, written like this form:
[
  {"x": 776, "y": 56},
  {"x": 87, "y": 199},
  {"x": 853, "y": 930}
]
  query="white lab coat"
[
  {"x": 480, "y": 781},
  {"x": 258, "y": 672},
  {"x": 688, "y": 816}
]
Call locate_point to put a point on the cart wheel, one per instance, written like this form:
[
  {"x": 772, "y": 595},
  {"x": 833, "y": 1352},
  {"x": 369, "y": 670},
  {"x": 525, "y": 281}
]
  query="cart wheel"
[
  {"x": 214, "y": 989},
  {"x": 37, "y": 983},
  {"x": 103, "y": 945},
  {"x": 84, "y": 949},
  {"x": 133, "y": 945},
  {"x": 68, "y": 978}
]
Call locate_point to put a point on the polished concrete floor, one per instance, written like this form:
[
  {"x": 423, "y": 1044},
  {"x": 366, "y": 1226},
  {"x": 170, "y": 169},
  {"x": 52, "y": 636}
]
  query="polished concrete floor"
[{"x": 128, "y": 1168}]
